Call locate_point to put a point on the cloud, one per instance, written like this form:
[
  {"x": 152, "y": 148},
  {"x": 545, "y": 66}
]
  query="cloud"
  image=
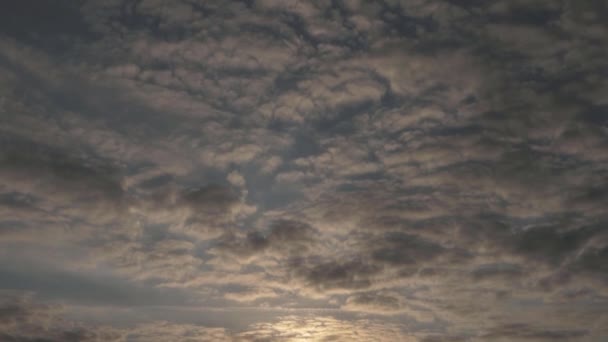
[
  {"x": 526, "y": 332},
  {"x": 284, "y": 239},
  {"x": 334, "y": 275},
  {"x": 89, "y": 188},
  {"x": 24, "y": 320},
  {"x": 490, "y": 271},
  {"x": 441, "y": 163},
  {"x": 164, "y": 331},
  {"x": 403, "y": 249},
  {"x": 388, "y": 303}
]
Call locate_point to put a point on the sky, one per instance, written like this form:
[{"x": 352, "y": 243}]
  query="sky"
[{"x": 282, "y": 170}]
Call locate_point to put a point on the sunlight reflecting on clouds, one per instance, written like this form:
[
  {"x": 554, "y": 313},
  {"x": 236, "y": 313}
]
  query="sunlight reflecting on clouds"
[
  {"x": 347, "y": 170},
  {"x": 295, "y": 329}
]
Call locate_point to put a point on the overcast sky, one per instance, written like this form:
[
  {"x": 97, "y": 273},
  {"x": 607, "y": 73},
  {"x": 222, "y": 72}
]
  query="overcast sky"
[{"x": 281, "y": 170}]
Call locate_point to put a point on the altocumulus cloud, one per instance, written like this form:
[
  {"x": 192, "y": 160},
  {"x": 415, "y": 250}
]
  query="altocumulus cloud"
[{"x": 421, "y": 170}]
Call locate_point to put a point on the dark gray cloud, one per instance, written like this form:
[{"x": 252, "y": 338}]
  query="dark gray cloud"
[
  {"x": 403, "y": 249},
  {"x": 383, "y": 301},
  {"x": 54, "y": 25},
  {"x": 286, "y": 237},
  {"x": 54, "y": 168},
  {"x": 329, "y": 275},
  {"x": 490, "y": 271},
  {"x": 526, "y": 332},
  {"x": 424, "y": 166},
  {"x": 22, "y": 319}
]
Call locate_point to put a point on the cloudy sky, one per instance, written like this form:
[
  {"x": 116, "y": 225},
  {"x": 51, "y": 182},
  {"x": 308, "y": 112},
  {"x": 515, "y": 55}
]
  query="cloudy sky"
[{"x": 282, "y": 170}]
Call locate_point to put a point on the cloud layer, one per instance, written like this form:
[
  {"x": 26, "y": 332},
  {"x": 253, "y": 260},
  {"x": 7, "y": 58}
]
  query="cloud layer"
[{"x": 423, "y": 170}]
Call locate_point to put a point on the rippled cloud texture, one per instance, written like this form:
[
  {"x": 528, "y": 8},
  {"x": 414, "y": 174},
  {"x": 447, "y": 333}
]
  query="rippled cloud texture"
[{"x": 382, "y": 170}]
